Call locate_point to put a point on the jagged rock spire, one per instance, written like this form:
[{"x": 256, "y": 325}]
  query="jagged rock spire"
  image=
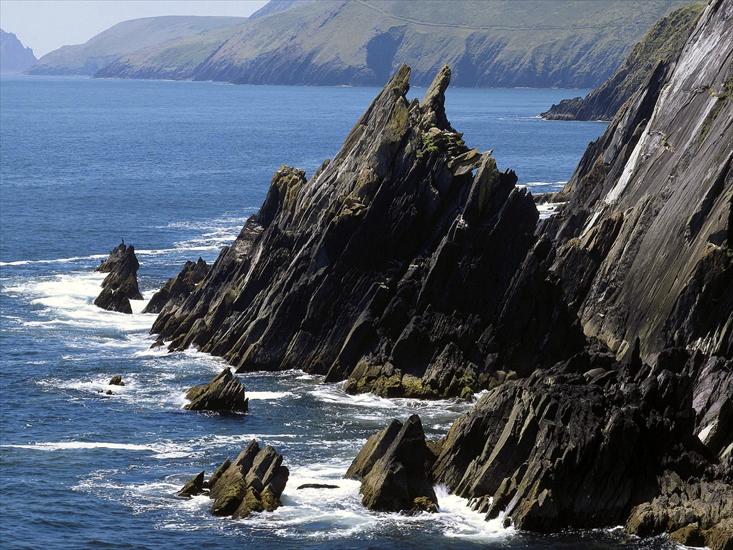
[{"x": 434, "y": 99}]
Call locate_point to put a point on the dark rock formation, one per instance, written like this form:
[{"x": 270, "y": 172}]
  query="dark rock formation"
[
  {"x": 120, "y": 285},
  {"x": 253, "y": 482},
  {"x": 224, "y": 393},
  {"x": 317, "y": 486},
  {"x": 662, "y": 44},
  {"x": 590, "y": 443},
  {"x": 116, "y": 380},
  {"x": 394, "y": 469},
  {"x": 178, "y": 288},
  {"x": 193, "y": 487},
  {"x": 384, "y": 268}
]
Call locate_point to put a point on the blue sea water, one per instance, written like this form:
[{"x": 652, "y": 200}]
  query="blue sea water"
[{"x": 174, "y": 168}]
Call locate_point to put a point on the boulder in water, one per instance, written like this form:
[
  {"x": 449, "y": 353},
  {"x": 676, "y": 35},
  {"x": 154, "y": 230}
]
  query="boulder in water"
[
  {"x": 224, "y": 393},
  {"x": 253, "y": 482},
  {"x": 116, "y": 380}
]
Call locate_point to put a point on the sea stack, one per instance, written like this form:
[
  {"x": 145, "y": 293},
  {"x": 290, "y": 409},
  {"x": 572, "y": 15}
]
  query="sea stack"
[{"x": 120, "y": 285}]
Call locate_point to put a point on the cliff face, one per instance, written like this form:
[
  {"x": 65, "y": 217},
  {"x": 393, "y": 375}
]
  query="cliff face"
[
  {"x": 662, "y": 44},
  {"x": 389, "y": 265},
  {"x": 14, "y": 57},
  {"x": 363, "y": 42},
  {"x": 636, "y": 428},
  {"x": 643, "y": 243}
]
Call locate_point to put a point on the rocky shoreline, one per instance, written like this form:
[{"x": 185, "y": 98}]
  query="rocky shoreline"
[{"x": 409, "y": 265}]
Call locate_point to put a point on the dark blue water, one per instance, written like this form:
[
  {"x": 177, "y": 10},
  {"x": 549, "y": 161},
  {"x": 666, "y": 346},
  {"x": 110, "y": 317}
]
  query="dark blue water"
[{"x": 175, "y": 168}]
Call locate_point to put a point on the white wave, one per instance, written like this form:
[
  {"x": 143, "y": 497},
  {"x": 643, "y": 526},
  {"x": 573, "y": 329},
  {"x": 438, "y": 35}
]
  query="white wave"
[
  {"x": 548, "y": 209},
  {"x": 55, "y": 260},
  {"x": 71, "y": 445},
  {"x": 543, "y": 183},
  {"x": 268, "y": 395},
  {"x": 458, "y": 520},
  {"x": 68, "y": 301}
]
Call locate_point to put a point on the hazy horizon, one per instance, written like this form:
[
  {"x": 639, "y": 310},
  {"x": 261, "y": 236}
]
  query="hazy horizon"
[{"x": 45, "y": 25}]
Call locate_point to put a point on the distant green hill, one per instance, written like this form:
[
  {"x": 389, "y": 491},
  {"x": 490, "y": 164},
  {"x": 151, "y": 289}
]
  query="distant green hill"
[
  {"x": 569, "y": 43},
  {"x": 125, "y": 38},
  {"x": 662, "y": 44}
]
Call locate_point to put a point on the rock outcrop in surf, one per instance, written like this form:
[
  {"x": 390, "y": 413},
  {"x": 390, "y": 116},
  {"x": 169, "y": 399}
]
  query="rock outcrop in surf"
[
  {"x": 409, "y": 265},
  {"x": 224, "y": 393},
  {"x": 253, "y": 482},
  {"x": 178, "y": 288},
  {"x": 394, "y": 468},
  {"x": 120, "y": 285}
]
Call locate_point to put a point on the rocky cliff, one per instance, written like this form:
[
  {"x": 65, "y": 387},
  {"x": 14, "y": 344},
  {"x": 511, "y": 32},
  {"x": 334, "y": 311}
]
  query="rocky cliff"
[
  {"x": 389, "y": 266},
  {"x": 662, "y": 44},
  {"x": 363, "y": 42}
]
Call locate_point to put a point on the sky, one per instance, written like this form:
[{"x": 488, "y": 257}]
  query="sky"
[{"x": 45, "y": 25}]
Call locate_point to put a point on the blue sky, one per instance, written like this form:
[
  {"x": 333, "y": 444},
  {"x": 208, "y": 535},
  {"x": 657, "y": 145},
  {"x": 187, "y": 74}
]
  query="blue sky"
[{"x": 45, "y": 25}]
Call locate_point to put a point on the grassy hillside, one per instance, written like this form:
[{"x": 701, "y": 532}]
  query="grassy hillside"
[
  {"x": 488, "y": 43},
  {"x": 662, "y": 44},
  {"x": 126, "y": 37}
]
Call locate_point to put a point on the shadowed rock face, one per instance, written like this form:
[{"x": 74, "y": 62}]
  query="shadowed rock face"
[
  {"x": 253, "y": 482},
  {"x": 591, "y": 443},
  {"x": 178, "y": 288},
  {"x": 389, "y": 264},
  {"x": 120, "y": 285},
  {"x": 225, "y": 393}
]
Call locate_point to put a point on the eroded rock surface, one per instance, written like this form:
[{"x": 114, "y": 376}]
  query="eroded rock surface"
[
  {"x": 394, "y": 469},
  {"x": 178, "y": 288},
  {"x": 224, "y": 393},
  {"x": 586, "y": 444},
  {"x": 252, "y": 482},
  {"x": 120, "y": 285},
  {"x": 389, "y": 267}
]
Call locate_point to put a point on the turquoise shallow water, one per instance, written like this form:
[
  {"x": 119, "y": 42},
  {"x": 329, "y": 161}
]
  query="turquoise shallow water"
[{"x": 175, "y": 168}]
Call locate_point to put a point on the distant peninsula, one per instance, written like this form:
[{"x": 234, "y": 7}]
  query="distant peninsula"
[
  {"x": 14, "y": 56},
  {"x": 554, "y": 43}
]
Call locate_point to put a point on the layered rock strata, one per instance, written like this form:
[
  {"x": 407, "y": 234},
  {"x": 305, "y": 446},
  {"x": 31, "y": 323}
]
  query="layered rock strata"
[
  {"x": 224, "y": 393},
  {"x": 176, "y": 289},
  {"x": 120, "y": 285},
  {"x": 252, "y": 482},
  {"x": 389, "y": 266},
  {"x": 394, "y": 468}
]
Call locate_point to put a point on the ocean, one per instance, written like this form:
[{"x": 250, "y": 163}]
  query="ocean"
[{"x": 174, "y": 168}]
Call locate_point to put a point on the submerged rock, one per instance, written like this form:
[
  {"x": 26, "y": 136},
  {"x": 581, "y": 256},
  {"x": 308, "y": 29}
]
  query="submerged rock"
[
  {"x": 224, "y": 393},
  {"x": 253, "y": 482},
  {"x": 394, "y": 469},
  {"x": 120, "y": 285},
  {"x": 317, "y": 486},
  {"x": 178, "y": 288}
]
